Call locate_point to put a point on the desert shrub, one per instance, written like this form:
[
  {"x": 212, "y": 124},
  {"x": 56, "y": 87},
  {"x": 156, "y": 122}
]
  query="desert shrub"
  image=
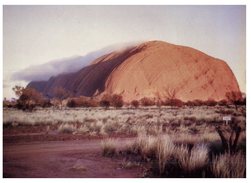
[
  {"x": 26, "y": 105},
  {"x": 146, "y": 146},
  {"x": 92, "y": 103},
  {"x": 108, "y": 147},
  {"x": 66, "y": 128},
  {"x": 83, "y": 129},
  {"x": 210, "y": 102},
  {"x": 195, "y": 103},
  {"x": 174, "y": 102},
  {"x": 223, "y": 102},
  {"x": 46, "y": 103},
  {"x": 240, "y": 102},
  {"x": 86, "y": 102},
  {"x": 224, "y": 111},
  {"x": 160, "y": 148},
  {"x": 229, "y": 166},
  {"x": 9, "y": 104},
  {"x": 189, "y": 103},
  {"x": 117, "y": 100},
  {"x": 112, "y": 127},
  {"x": 29, "y": 98},
  {"x": 198, "y": 103},
  {"x": 235, "y": 98},
  {"x": 165, "y": 151},
  {"x": 71, "y": 103},
  {"x": 147, "y": 102},
  {"x": 195, "y": 160},
  {"x": 135, "y": 103},
  {"x": 169, "y": 159},
  {"x": 105, "y": 101},
  {"x": 82, "y": 102}
]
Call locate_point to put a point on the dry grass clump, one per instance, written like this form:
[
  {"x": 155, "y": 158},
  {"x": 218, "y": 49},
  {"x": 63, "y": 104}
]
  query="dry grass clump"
[
  {"x": 79, "y": 166},
  {"x": 112, "y": 127},
  {"x": 165, "y": 151},
  {"x": 159, "y": 148},
  {"x": 194, "y": 160},
  {"x": 229, "y": 166},
  {"x": 67, "y": 128},
  {"x": 130, "y": 164},
  {"x": 182, "y": 154},
  {"x": 162, "y": 150},
  {"x": 143, "y": 145},
  {"x": 108, "y": 147},
  {"x": 146, "y": 145},
  {"x": 83, "y": 129}
]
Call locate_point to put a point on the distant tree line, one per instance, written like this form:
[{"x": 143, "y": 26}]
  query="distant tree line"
[{"x": 29, "y": 98}]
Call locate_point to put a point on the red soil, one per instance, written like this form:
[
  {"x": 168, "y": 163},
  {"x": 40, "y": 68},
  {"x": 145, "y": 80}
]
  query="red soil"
[{"x": 70, "y": 158}]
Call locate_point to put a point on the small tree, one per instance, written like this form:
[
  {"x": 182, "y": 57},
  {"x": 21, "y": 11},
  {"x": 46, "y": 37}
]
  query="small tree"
[
  {"x": 174, "y": 102},
  {"x": 146, "y": 102},
  {"x": 28, "y": 98},
  {"x": 105, "y": 101},
  {"x": 222, "y": 102},
  {"x": 88, "y": 103},
  {"x": 135, "y": 103},
  {"x": 196, "y": 102},
  {"x": 117, "y": 100},
  {"x": 210, "y": 102},
  {"x": 71, "y": 103}
]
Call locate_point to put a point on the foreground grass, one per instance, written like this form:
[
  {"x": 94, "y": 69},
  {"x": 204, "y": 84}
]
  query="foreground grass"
[
  {"x": 109, "y": 147},
  {"x": 229, "y": 165},
  {"x": 167, "y": 159}
]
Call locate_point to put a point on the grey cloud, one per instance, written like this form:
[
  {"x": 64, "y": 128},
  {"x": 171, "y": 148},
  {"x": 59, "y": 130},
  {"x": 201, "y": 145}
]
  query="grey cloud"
[
  {"x": 53, "y": 68},
  {"x": 66, "y": 65}
]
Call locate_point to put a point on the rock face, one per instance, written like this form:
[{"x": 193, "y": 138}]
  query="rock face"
[{"x": 153, "y": 69}]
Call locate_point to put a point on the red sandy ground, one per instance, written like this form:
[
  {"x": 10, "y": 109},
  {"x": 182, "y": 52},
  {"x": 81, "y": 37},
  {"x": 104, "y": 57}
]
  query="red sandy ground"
[{"x": 57, "y": 158}]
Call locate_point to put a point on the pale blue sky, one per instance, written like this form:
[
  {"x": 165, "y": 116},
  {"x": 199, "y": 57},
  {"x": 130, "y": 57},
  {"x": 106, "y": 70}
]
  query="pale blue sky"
[{"x": 35, "y": 35}]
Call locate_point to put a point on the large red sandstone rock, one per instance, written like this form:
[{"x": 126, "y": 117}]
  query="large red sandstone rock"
[{"x": 153, "y": 69}]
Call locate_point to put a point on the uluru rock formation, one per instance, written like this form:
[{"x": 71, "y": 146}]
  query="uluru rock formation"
[{"x": 153, "y": 69}]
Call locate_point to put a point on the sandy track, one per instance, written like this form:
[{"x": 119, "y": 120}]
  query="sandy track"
[{"x": 73, "y": 158}]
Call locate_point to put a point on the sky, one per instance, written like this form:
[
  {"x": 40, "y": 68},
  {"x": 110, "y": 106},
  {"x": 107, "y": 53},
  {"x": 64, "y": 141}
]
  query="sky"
[{"x": 41, "y": 41}]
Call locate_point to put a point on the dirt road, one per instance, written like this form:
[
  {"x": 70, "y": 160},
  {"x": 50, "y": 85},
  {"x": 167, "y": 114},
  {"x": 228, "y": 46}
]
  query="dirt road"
[{"x": 72, "y": 158}]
